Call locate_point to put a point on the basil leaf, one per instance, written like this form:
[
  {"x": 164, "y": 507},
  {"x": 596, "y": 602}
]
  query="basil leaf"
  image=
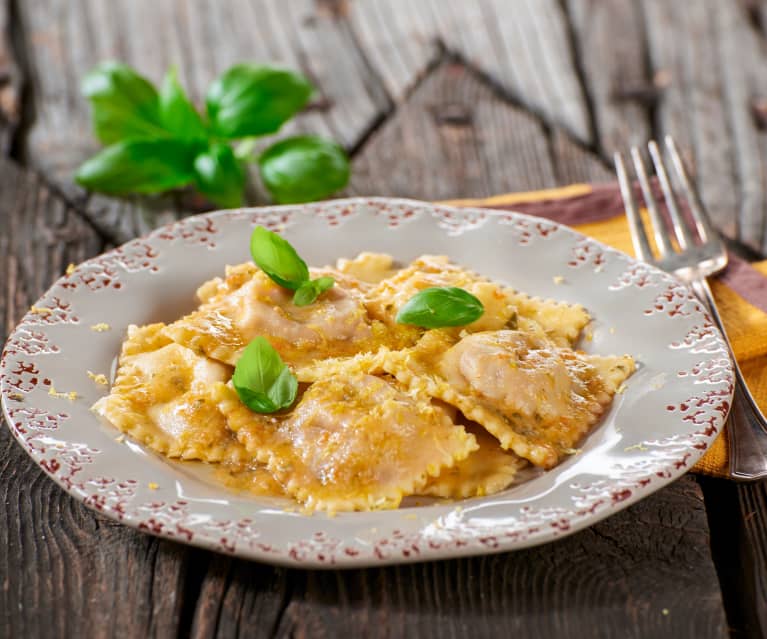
[
  {"x": 177, "y": 113},
  {"x": 220, "y": 176},
  {"x": 139, "y": 166},
  {"x": 308, "y": 292},
  {"x": 262, "y": 380},
  {"x": 278, "y": 259},
  {"x": 441, "y": 306},
  {"x": 255, "y": 100},
  {"x": 124, "y": 104},
  {"x": 304, "y": 168}
]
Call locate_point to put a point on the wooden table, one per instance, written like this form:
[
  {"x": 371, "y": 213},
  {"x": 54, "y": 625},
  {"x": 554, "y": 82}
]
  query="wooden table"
[{"x": 434, "y": 99}]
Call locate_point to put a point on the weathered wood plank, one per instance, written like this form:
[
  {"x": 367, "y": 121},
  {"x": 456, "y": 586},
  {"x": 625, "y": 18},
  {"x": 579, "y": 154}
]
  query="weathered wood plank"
[
  {"x": 752, "y": 556},
  {"x": 457, "y": 137},
  {"x": 643, "y": 573},
  {"x": 522, "y": 45},
  {"x": 10, "y": 82},
  {"x": 611, "y": 49},
  {"x": 574, "y": 163},
  {"x": 398, "y": 38},
  {"x": 65, "y": 572},
  {"x": 454, "y": 138},
  {"x": 706, "y": 48},
  {"x": 743, "y": 63}
]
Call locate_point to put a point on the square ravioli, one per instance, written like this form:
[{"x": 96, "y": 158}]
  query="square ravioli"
[
  {"x": 353, "y": 442},
  {"x": 161, "y": 397},
  {"x": 489, "y": 469},
  {"x": 248, "y": 304},
  {"x": 537, "y": 398},
  {"x": 384, "y": 410},
  {"x": 386, "y": 298},
  {"x": 504, "y": 307}
]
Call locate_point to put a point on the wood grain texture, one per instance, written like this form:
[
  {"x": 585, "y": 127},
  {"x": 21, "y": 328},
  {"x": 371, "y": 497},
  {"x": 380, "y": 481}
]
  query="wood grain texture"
[
  {"x": 457, "y": 136},
  {"x": 10, "y": 81},
  {"x": 64, "y": 571},
  {"x": 521, "y": 44},
  {"x": 703, "y": 50},
  {"x": 643, "y": 573},
  {"x": 610, "y": 46},
  {"x": 752, "y": 555}
]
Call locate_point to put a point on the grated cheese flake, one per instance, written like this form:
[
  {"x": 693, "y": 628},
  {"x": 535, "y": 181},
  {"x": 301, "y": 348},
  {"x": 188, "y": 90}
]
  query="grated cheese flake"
[
  {"x": 153, "y": 485},
  {"x": 99, "y": 378},
  {"x": 39, "y": 310},
  {"x": 558, "y": 279},
  {"x": 639, "y": 447},
  {"x": 70, "y": 395},
  {"x": 70, "y": 269},
  {"x": 100, "y": 327}
]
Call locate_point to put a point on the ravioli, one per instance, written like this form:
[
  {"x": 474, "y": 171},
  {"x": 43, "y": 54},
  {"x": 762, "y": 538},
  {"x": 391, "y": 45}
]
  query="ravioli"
[
  {"x": 385, "y": 410},
  {"x": 248, "y": 304},
  {"x": 353, "y": 442},
  {"x": 370, "y": 268},
  {"x": 488, "y": 470},
  {"x": 385, "y": 299},
  {"x": 561, "y": 322},
  {"x": 161, "y": 397},
  {"x": 537, "y": 398},
  {"x": 254, "y": 479}
]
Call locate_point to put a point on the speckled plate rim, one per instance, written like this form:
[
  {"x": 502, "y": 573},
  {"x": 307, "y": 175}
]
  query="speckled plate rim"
[{"x": 670, "y": 412}]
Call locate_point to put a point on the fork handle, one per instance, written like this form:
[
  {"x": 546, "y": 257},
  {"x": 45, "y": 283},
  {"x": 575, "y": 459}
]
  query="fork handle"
[{"x": 746, "y": 434}]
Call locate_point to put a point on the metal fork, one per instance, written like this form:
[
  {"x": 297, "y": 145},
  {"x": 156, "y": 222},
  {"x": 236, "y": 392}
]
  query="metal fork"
[{"x": 692, "y": 262}]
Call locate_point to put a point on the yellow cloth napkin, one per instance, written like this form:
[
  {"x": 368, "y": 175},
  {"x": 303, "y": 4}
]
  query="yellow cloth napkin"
[{"x": 741, "y": 293}]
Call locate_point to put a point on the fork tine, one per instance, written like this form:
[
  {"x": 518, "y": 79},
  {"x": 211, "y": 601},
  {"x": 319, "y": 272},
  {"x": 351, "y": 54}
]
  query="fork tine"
[
  {"x": 702, "y": 221},
  {"x": 662, "y": 240},
  {"x": 638, "y": 235},
  {"x": 681, "y": 232}
]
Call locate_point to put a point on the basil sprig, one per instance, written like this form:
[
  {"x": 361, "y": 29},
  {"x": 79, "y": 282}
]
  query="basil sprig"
[
  {"x": 303, "y": 168},
  {"x": 158, "y": 140},
  {"x": 276, "y": 257},
  {"x": 262, "y": 380},
  {"x": 311, "y": 290},
  {"x": 439, "y": 307}
]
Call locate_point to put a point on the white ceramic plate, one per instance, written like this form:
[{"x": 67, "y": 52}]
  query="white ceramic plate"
[{"x": 671, "y": 410}]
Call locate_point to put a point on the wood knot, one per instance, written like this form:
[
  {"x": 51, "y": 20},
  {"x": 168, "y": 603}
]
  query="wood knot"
[
  {"x": 452, "y": 114},
  {"x": 759, "y": 112},
  {"x": 333, "y": 8},
  {"x": 648, "y": 93}
]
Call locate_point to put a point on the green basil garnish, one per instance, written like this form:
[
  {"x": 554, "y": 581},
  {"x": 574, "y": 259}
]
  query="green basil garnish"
[
  {"x": 304, "y": 168},
  {"x": 439, "y": 307},
  {"x": 278, "y": 259},
  {"x": 262, "y": 380},
  {"x": 310, "y": 291}
]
